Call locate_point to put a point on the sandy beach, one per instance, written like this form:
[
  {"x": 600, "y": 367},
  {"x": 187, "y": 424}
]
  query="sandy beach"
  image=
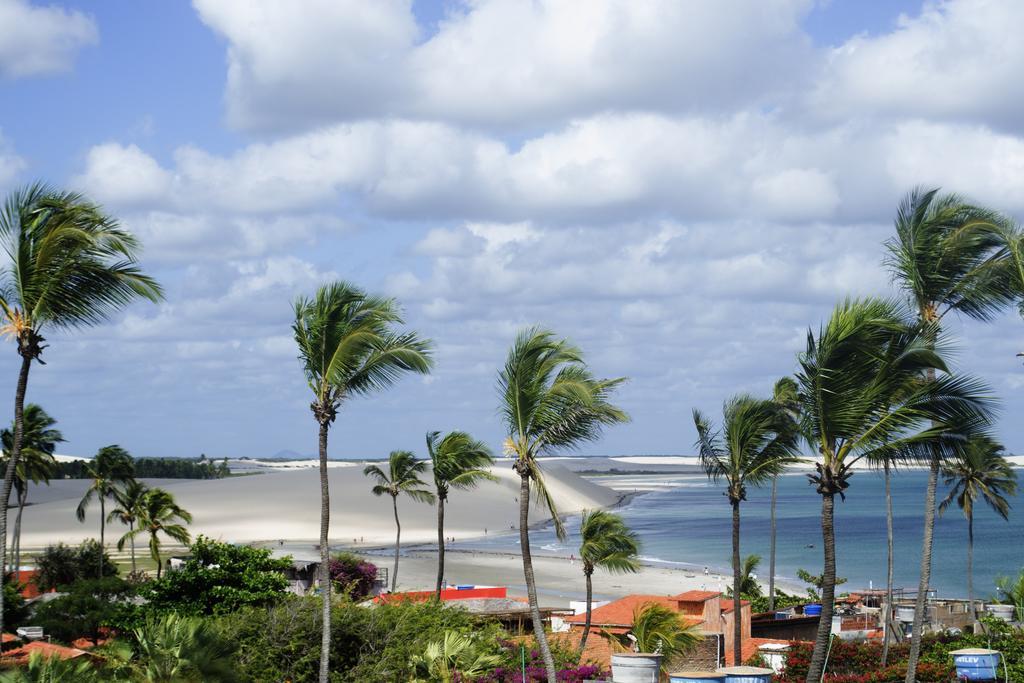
[{"x": 284, "y": 505}]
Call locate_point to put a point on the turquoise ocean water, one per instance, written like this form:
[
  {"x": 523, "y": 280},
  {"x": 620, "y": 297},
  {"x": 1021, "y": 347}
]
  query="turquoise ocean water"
[{"x": 688, "y": 522}]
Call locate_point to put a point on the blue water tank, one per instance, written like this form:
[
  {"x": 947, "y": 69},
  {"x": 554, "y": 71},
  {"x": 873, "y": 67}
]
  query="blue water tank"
[
  {"x": 812, "y": 610},
  {"x": 746, "y": 674},
  {"x": 976, "y": 664},
  {"x": 696, "y": 677}
]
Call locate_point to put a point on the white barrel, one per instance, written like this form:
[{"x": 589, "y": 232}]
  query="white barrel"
[{"x": 636, "y": 667}]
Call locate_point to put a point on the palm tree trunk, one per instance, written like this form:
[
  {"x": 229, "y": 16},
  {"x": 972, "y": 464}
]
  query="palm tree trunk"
[
  {"x": 816, "y": 668},
  {"x": 531, "y": 583},
  {"x": 926, "y": 569},
  {"x": 440, "y": 547},
  {"x": 588, "y": 573},
  {"x": 887, "y": 616},
  {"x": 771, "y": 550},
  {"x": 12, "y": 462},
  {"x": 22, "y": 499},
  {"x": 737, "y": 602},
  {"x": 154, "y": 550},
  {"x": 970, "y": 568},
  {"x": 131, "y": 528},
  {"x": 325, "y": 574},
  {"x": 398, "y": 543},
  {"x": 103, "y": 529}
]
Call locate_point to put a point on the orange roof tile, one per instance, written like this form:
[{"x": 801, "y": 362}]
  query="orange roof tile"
[
  {"x": 620, "y": 612},
  {"x": 696, "y": 596},
  {"x": 21, "y": 654}
]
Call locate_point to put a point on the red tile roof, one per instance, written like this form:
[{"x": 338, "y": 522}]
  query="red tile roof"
[
  {"x": 620, "y": 612},
  {"x": 26, "y": 577},
  {"x": 696, "y": 596},
  {"x": 20, "y": 655}
]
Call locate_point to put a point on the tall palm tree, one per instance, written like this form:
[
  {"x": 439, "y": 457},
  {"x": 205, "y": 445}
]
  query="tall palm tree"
[
  {"x": 866, "y": 393},
  {"x": 37, "y": 462},
  {"x": 159, "y": 514},
  {"x": 785, "y": 396},
  {"x": 605, "y": 542},
  {"x": 111, "y": 467},
  {"x": 755, "y": 445},
  {"x": 70, "y": 266},
  {"x": 945, "y": 258},
  {"x": 129, "y": 499},
  {"x": 550, "y": 402},
  {"x": 402, "y": 477},
  {"x": 348, "y": 346},
  {"x": 459, "y": 462},
  {"x": 980, "y": 473}
]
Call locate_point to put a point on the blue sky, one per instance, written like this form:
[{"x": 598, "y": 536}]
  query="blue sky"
[{"x": 682, "y": 188}]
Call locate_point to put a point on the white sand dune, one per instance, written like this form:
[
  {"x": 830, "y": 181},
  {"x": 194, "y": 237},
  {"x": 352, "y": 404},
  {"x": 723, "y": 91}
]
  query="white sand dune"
[{"x": 285, "y": 505}]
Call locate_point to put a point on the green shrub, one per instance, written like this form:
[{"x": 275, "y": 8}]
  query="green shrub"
[
  {"x": 376, "y": 643},
  {"x": 86, "y": 610},
  {"x": 219, "y": 578}
]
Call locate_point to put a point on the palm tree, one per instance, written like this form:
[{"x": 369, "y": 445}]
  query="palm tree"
[
  {"x": 550, "y": 402},
  {"x": 459, "y": 462},
  {"x": 71, "y": 266},
  {"x": 753, "y": 447},
  {"x": 866, "y": 393},
  {"x": 401, "y": 477},
  {"x": 786, "y": 397},
  {"x": 159, "y": 514},
  {"x": 111, "y": 466},
  {"x": 979, "y": 473},
  {"x": 37, "y": 462},
  {"x": 605, "y": 542},
  {"x": 748, "y": 575},
  {"x": 945, "y": 257},
  {"x": 129, "y": 499},
  {"x": 349, "y": 347},
  {"x": 172, "y": 647},
  {"x": 456, "y": 657}
]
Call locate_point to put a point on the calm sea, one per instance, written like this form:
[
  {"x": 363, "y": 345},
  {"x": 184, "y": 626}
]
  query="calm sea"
[{"x": 689, "y": 523}]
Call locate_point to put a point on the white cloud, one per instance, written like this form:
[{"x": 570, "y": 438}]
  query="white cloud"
[
  {"x": 324, "y": 60},
  {"x": 124, "y": 175},
  {"x": 501, "y": 62},
  {"x": 957, "y": 59},
  {"x": 41, "y": 40}
]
